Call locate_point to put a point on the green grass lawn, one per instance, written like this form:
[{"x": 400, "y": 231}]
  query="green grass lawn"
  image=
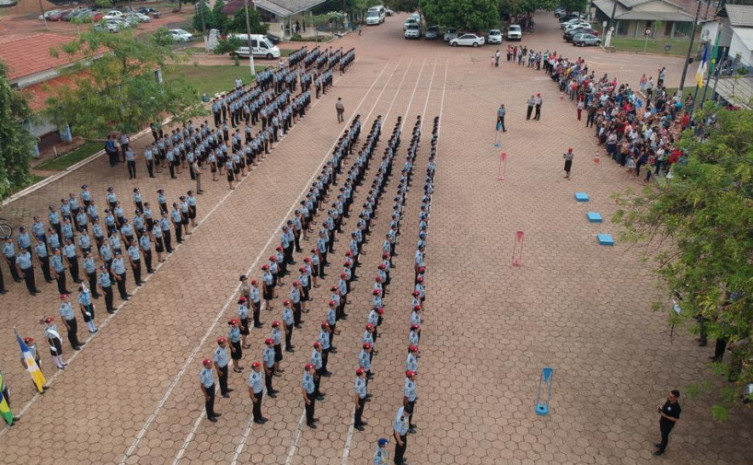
[
  {"x": 71, "y": 158},
  {"x": 678, "y": 47},
  {"x": 212, "y": 79}
]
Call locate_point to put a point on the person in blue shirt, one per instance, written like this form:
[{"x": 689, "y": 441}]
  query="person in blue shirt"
[
  {"x": 9, "y": 255},
  {"x": 256, "y": 391},
  {"x": 380, "y": 455},
  {"x": 134, "y": 256},
  {"x": 289, "y": 320},
  {"x": 86, "y": 305},
  {"x": 145, "y": 243},
  {"x": 410, "y": 398},
  {"x": 44, "y": 259},
  {"x": 58, "y": 271},
  {"x": 221, "y": 365},
  {"x": 206, "y": 382},
  {"x": 270, "y": 370},
  {"x": 309, "y": 394},
  {"x": 400, "y": 428},
  {"x": 118, "y": 271},
  {"x": 69, "y": 319},
  {"x": 71, "y": 258},
  {"x": 165, "y": 226},
  {"x": 243, "y": 316},
  {"x": 105, "y": 285},
  {"x": 177, "y": 220},
  {"x": 23, "y": 239},
  {"x": 236, "y": 351}
]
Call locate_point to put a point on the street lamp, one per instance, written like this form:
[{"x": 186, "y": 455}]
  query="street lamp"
[{"x": 248, "y": 37}]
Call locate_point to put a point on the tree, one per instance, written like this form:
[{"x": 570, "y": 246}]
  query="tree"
[
  {"x": 698, "y": 232},
  {"x": 408, "y": 6},
  {"x": 16, "y": 142},
  {"x": 517, "y": 7},
  {"x": 472, "y": 15},
  {"x": 214, "y": 18},
  {"x": 579, "y": 6},
  {"x": 115, "y": 85},
  {"x": 238, "y": 23}
]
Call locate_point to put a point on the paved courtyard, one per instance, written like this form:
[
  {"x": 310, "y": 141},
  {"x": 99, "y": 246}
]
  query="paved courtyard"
[{"x": 132, "y": 395}]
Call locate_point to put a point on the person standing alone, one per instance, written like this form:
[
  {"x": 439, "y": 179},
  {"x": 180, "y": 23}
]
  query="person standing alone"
[
  {"x": 340, "y": 109},
  {"x": 568, "y": 156},
  {"x": 669, "y": 415}
]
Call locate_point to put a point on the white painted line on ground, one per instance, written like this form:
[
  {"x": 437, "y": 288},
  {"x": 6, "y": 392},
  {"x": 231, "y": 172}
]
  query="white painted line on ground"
[
  {"x": 296, "y": 437},
  {"x": 230, "y": 299}
]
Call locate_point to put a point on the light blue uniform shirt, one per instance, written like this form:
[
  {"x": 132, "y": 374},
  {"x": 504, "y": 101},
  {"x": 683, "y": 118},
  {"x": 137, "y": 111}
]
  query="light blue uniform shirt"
[
  {"x": 133, "y": 252},
  {"x": 324, "y": 339},
  {"x": 206, "y": 376},
  {"x": 220, "y": 356},
  {"x": 409, "y": 390},
  {"x": 308, "y": 383},
  {"x": 360, "y": 387},
  {"x": 256, "y": 382},
  {"x": 40, "y": 250},
  {"x": 364, "y": 360},
  {"x": 106, "y": 252},
  {"x": 287, "y": 316},
  {"x": 57, "y": 263},
  {"x": 316, "y": 359},
  {"x": 400, "y": 424},
  {"x": 66, "y": 311},
  {"x": 242, "y": 311},
  {"x": 104, "y": 279},
  {"x": 269, "y": 357},
  {"x": 380, "y": 456},
  {"x": 277, "y": 336},
  {"x": 118, "y": 267},
  {"x": 9, "y": 250},
  {"x": 234, "y": 334}
]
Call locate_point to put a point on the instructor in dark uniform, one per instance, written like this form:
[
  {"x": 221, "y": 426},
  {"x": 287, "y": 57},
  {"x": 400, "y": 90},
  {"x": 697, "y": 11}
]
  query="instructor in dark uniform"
[{"x": 669, "y": 416}]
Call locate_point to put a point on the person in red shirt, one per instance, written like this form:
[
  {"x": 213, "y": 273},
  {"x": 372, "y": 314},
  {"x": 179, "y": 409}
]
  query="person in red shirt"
[{"x": 685, "y": 121}]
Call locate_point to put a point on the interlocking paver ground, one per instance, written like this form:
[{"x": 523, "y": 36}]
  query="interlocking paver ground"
[{"x": 490, "y": 328}]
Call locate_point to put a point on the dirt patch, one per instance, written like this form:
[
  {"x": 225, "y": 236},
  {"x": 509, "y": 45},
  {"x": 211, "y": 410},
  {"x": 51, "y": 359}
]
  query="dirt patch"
[{"x": 25, "y": 7}]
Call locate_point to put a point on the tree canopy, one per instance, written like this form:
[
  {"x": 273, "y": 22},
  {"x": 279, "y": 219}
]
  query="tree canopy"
[
  {"x": 516, "y": 7},
  {"x": 16, "y": 143},
  {"x": 472, "y": 15},
  {"x": 699, "y": 233},
  {"x": 115, "y": 86}
]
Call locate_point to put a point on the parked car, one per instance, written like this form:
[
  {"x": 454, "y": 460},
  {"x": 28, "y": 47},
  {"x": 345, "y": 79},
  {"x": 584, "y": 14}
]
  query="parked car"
[
  {"x": 559, "y": 11},
  {"x": 59, "y": 15},
  {"x": 113, "y": 14},
  {"x": 154, "y": 13},
  {"x": 274, "y": 39},
  {"x": 514, "y": 32},
  {"x": 467, "y": 40},
  {"x": 576, "y": 25},
  {"x": 494, "y": 36},
  {"x": 388, "y": 12},
  {"x": 97, "y": 16},
  {"x": 432, "y": 32},
  {"x": 581, "y": 40},
  {"x": 414, "y": 18},
  {"x": 108, "y": 26},
  {"x": 180, "y": 35},
  {"x": 140, "y": 17},
  {"x": 568, "y": 36},
  {"x": 413, "y": 31},
  {"x": 450, "y": 34},
  {"x": 49, "y": 13},
  {"x": 568, "y": 17}
]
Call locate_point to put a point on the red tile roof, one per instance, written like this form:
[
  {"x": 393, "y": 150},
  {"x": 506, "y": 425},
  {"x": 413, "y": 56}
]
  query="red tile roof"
[
  {"x": 39, "y": 93},
  {"x": 25, "y": 55}
]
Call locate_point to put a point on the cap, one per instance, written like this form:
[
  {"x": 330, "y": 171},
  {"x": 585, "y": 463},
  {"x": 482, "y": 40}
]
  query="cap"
[
  {"x": 421, "y": 269},
  {"x": 296, "y": 283},
  {"x": 376, "y": 292},
  {"x": 325, "y": 324},
  {"x": 279, "y": 248},
  {"x": 242, "y": 299},
  {"x": 420, "y": 279},
  {"x": 416, "y": 293},
  {"x": 255, "y": 365},
  {"x": 243, "y": 277},
  {"x": 302, "y": 269},
  {"x": 417, "y": 307},
  {"x": 29, "y": 340},
  {"x": 272, "y": 258},
  {"x": 317, "y": 344},
  {"x": 378, "y": 279},
  {"x": 207, "y": 362},
  {"x": 343, "y": 275},
  {"x": 410, "y": 373},
  {"x": 333, "y": 288},
  {"x": 307, "y": 260},
  {"x": 382, "y": 266},
  {"x": 538, "y": 94},
  {"x": 49, "y": 319},
  {"x": 269, "y": 341},
  {"x": 233, "y": 321},
  {"x": 360, "y": 371},
  {"x": 367, "y": 345},
  {"x": 308, "y": 366},
  {"x": 383, "y": 441},
  {"x": 221, "y": 340},
  {"x": 254, "y": 281},
  {"x": 415, "y": 326},
  {"x": 413, "y": 348},
  {"x": 265, "y": 267},
  {"x": 332, "y": 303},
  {"x": 380, "y": 311},
  {"x": 275, "y": 324},
  {"x": 369, "y": 326}
]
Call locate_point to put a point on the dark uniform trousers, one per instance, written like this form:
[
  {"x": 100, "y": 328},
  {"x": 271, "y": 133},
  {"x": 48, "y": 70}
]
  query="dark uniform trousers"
[
  {"x": 136, "y": 267},
  {"x": 13, "y": 270},
  {"x": 257, "y": 310},
  {"x": 178, "y": 232},
  {"x": 223, "y": 380},
  {"x": 168, "y": 241},
  {"x": 148, "y": 260},
  {"x": 409, "y": 407},
  {"x": 400, "y": 450},
  {"x": 93, "y": 284},
  {"x": 288, "y": 336},
  {"x": 108, "y": 299},
  {"x": 310, "y": 407},
  {"x": 61, "y": 282},
  {"x": 268, "y": 379},
  {"x": 45, "y": 263},
  {"x": 359, "y": 411},
  {"x": 209, "y": 403},
  {"x": 257, "y": 405},
  {"x": 73, "y": 332},
  {"x": 122, "y": 286},
  {"x": 665, "y": 426},
  {"x": 73, "y": 268}
]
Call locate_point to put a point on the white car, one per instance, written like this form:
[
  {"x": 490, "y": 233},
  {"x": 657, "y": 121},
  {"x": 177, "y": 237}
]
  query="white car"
[
  {"x": 467, "y": 40},
  {"x": 109, "y": 26},
  {"x": 572, "y": 21},
  {"x": 142, "y": 18},
  {"x": 495, "y": 36},
  {"x": 576, "y": 25},
  {"x": 47, "y": 14},
  {"x": 114, "y": 14},
  {"x": 514, "y": 32},
  {"x": 180, "y": 35}
]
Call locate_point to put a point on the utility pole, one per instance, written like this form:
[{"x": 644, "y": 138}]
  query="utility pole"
[
  {"x": 250, "y": 49},
  {"x": 44, "y": 18},
  {"x": 690, "y": 49},
  {"x": 203, "y": 23}
]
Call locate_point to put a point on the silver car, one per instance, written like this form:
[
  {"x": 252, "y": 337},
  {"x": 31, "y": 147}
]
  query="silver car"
[{"x": 581, "y": 40}]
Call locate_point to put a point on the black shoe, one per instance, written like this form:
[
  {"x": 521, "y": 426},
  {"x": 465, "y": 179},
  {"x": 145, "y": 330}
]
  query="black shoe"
[
  {"x": 333, "y": 349},
  {"x": 77, "y": 348},
  {"x": 259, "y": 326},
  {"x": 259, "y": 422},
  {"x": 289, "y": 350},
  {"x": 327, "y": 374},
  {"x": 412, "y": 426},
  {"x": 230, "y": 390},
  {"x": 212, "y": 419},
  {"x": 271, "y": 394},
  {"x": 659, "y": 453},
  {"x": 3, "y": 291},
  {"x": 657, "y": 445},
  {"x": 412, "y": 430},
  {"x": 226, "y": 395},
  {"x": 298, "y": 326},
  {"x": 320, "y": 397},
  {"x": 359, "y": 428},
  {"x": 311, "y": 425}
]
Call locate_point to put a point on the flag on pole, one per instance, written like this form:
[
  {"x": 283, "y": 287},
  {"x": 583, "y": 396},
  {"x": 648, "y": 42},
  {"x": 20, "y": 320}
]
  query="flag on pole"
[
  {"x": 4, "y": 407},
  {"x": 31, "y": 365},
  {"x": 701, "y": 73}
]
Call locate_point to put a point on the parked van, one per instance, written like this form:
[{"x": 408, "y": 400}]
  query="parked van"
[
  {"x": 375, "y": 15},
  {"x": 413, "y": 31},
  {"x": 260, "y": 46}
]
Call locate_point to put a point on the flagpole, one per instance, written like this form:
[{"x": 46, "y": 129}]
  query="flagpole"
[
  {"x": 714, "y": 53},
  {"x": 699, "y": 82}
]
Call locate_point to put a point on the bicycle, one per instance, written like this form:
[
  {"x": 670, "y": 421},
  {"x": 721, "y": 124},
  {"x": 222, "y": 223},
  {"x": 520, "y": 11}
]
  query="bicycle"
[{"x": 6, "y": 230}]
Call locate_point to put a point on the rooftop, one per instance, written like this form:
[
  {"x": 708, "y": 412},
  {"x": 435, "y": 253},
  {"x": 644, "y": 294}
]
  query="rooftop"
[
  {"x": 26, "y": 55},
  {"x": 740, "y": 15}
]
